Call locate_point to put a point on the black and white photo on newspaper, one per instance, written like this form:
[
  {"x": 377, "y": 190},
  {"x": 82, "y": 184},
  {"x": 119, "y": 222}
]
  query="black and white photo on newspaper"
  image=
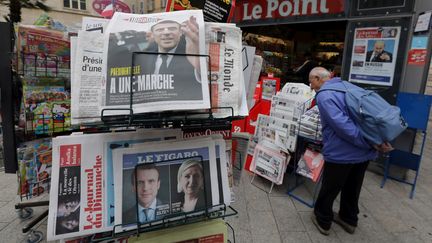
[
  {"x": 176, "y": 80},
  {"x": 164, "y": 179}
]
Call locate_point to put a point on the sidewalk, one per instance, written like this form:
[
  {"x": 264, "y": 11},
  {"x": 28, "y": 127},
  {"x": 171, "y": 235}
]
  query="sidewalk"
[{"x": 386, "y": 215}]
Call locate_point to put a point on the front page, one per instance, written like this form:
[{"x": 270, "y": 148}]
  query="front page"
[
  {"x": 160, "y": 82},
  {"x": 168, "y": 158}
]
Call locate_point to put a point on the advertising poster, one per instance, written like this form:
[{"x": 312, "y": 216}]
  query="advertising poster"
[
  {"x": 374, "y": 55},
  {"x": 214, "y": 10}
]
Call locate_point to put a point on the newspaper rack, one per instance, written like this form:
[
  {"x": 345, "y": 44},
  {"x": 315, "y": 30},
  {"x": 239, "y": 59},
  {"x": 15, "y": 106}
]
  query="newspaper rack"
[
  {"x": 166, "y": 117},
  {"x": 51, "y": 68},
  {"x": 302, "y": 142},
  {"x": 171, "y": 220}
]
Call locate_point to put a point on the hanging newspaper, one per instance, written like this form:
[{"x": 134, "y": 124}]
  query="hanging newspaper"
[
  {"x": 223, "y": 42},
  {"x": 310, "y": 124},
  {"x": 164, "y": 167},
  {"x": 156, "y": 82},
  {"x": 87, "y": 77},
  {"x": 282, "y": 133},
  {"x": 81, "y": 200}
]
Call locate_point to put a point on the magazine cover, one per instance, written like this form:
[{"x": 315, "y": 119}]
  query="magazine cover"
[
  {"x": 34, "y": 167},
  {"x": 165, "y": 178},
  {"x": 214, "y": 10},
  {"x": 44, "y": 52},
  {"x": 82, "y": 188},
  {"x": 170, "y": 81},
  {"x": 310, "y": 164}
]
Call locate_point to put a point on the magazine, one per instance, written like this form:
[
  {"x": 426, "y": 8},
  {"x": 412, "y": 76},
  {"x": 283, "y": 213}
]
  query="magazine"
[
  {"x": 214, "y": 10},
  {"x": 43, "y": 52},
  {"x": 156, "y": 82},
  {"x": 34, "y": 167},
  {"x": 310, "y": 165},
  {"x": 167, "y": 163},
  {"x": 81, "y": 200}
]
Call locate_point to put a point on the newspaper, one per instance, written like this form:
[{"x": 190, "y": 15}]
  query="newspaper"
[
  {"x": 256, "y": 70},
  {"x": 167, "y": 196},
  {"x": 269, "y": 163},
  {"x": 87, "y": 77},
  {"x": 159, "y": 82},
  {"x": 310, "y": 124},
  {"x": 310, "y": 165},
  {"x": 94, "y": 24},
  {"x": 298, "y": 89},
  {"x": 223, "y": 43},
  {"x": 81, "y": 201},
  {"x": 286, "y": 107},
  {"x": 282, "y": 133}
]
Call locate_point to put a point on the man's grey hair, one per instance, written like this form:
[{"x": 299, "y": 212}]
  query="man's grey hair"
[{"x": 320, "y": 72}]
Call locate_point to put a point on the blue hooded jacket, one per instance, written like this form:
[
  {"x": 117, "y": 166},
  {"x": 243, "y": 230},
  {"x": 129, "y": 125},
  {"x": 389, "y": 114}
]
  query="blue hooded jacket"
[{"x": 342, "y": 140}]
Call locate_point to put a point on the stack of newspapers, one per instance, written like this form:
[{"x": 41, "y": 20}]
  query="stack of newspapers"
[
  {"x": 276, "y": 134},
  {"x": 310, "y": 124},
  {"x": 156, "y": 62},
  {"x": 133, "y": 179}
]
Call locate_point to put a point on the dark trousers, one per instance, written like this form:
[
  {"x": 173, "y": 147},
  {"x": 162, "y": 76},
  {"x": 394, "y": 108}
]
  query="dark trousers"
[{"x": 346, "y": 179}]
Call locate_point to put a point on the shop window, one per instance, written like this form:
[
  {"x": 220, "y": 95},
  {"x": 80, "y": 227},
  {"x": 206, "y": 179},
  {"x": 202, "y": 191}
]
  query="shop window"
[
  {"x": 75, "y": 4},
  {"x": 151, "y": 5},
  {"x": 163, "y": 4}
]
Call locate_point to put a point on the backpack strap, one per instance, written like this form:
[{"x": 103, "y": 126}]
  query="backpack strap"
[{"x": 343, "y": 90}]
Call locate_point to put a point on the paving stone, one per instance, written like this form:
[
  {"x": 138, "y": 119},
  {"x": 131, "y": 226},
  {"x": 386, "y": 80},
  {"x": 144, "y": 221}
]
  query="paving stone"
[
  {"x": 285, "y": 215},
  {"x": 273, "y": 238},
  {"x": 289, "y": 237},
  {"x": 313, "y": 232},
  {"x": 262, "y": 223},
  {"x": 408, "y": 237}
]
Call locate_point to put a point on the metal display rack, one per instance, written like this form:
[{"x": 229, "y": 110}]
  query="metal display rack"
[{"x": 166, "y": 119}]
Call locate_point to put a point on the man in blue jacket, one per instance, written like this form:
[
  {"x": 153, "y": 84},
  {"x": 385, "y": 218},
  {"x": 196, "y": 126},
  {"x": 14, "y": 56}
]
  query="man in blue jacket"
[{"x": 346, "y": 154}]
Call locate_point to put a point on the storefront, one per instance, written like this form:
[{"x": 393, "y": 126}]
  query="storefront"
[{"x": 340, "y": 35}]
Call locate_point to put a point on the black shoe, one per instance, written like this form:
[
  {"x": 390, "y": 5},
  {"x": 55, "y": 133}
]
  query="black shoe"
[
  {"x": 347, "y": 227},
  {"x": 320, "y": 229}
]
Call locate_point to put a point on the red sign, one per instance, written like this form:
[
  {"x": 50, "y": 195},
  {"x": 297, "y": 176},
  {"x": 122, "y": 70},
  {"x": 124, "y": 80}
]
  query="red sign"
[
  {"x": 70, "y": 155},
  {"x": 417, "y": 56},
  {"x": 249, "y": 10},
  {"x": 100, "y": 5}
]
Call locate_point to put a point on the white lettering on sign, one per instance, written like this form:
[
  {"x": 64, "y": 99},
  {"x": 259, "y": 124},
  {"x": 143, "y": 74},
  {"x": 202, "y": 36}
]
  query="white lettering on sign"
[{"x": 284, "y": 8}]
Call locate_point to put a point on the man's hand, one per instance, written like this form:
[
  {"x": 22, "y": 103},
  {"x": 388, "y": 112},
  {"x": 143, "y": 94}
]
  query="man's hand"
[
  {"x": 384, "y": 57},
  {"x": 191, "y": 32},
  {"x": 384, "y": 147}
]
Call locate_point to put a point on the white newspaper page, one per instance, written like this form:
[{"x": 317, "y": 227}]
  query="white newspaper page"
[
  {"x": 156, "y": 82},
  {"x": 224, "y": 46},
  {"x": 94, "y": 24},
  {"x": 88, "y": 78}
]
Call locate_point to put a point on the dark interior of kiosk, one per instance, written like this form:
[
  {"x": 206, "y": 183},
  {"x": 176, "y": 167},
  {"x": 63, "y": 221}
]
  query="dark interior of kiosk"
[{"x": 285, "y": 47}]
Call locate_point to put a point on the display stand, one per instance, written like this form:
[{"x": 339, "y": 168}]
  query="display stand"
[
  {"x": 312, "y": 140},
  {"x": 167, "y": 119}
]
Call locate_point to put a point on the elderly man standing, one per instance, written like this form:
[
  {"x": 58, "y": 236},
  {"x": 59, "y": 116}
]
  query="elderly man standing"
[{"x": 346, "y": 154}]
